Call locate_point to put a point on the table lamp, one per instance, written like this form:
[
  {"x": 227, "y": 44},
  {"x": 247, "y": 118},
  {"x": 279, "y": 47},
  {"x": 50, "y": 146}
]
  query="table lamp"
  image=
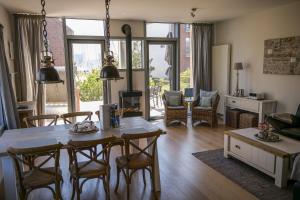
[{"x": 237, "y": 66}]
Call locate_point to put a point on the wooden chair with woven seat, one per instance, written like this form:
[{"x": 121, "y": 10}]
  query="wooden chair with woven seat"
[
  {"x": 96, "y": 165},
  {"x": 140, "y": 159},
  {"x": 175, "y": 113},
  {"x": 31, "y": 171},
  {"x": 208, "y": 114},
  {"x": 33, "y": 121},
  {"x": 68, "y": 116},
  {"x": 118, "y": 141}
]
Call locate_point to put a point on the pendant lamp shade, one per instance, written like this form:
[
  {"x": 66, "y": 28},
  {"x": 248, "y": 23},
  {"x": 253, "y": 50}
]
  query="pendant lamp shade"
[
  {"x": 110, "y": 72},
  {"x": 48, "y": 75}
]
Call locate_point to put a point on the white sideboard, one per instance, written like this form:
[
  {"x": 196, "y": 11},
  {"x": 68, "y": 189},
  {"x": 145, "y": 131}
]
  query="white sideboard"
[
  {"x": 272, "y": 158},
  {"x": 262, "y": 107}
]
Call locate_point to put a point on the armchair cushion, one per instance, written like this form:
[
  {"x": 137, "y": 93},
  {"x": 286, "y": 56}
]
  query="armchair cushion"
[
  {"x": 176, "y": 107},
  {"x": 173, "y": 98},
  {"x": 211, "y": 94},
  {"x": 202, "y": 108},
  {"x": 206, "y": 102}
]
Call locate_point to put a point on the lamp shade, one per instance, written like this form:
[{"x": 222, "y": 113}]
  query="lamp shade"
[
  {"x": 48, "y": 75},
  {"x": 110, "y": 72},
  {"x": 188, "y": 92},
  {"x": 238, "y": 66}
]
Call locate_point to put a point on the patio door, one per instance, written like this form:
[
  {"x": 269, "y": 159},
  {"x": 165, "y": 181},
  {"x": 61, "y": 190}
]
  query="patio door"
[
  {"x": 160, "y": 75},
  {"x": 85, "y": 88}
]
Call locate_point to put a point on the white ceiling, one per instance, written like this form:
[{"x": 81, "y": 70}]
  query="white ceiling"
[{"x": 150, "y": 10}]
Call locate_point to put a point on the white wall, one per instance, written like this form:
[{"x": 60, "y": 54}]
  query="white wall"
[{"x": 246, "y": 35}]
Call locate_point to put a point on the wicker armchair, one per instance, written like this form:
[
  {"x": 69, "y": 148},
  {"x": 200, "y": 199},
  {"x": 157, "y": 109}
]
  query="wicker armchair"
[
  {"x": 208, "y": 114},
  {"x": 175, "y": 113}
]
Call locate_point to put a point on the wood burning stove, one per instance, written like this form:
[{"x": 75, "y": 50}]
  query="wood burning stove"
[{"x": 129, "y": 100}]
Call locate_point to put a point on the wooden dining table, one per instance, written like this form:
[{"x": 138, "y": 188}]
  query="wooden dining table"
[{"x": 40, "y": 136}]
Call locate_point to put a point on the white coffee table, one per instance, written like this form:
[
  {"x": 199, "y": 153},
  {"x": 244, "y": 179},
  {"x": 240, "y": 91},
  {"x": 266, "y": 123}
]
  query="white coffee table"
[{"x": 272, "y": 158}]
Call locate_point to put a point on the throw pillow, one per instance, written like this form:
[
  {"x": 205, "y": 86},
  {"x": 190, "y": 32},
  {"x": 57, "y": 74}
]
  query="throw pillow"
[
  {"x": 173, "y": 98},
  {"x": 174, "y": 101},
  {"x": 211, "y": 94},
  {"x": 206, "y": 102}
]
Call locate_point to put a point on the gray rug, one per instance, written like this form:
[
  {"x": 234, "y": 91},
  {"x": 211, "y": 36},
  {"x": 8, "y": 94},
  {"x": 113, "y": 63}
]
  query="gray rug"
[{"x": 254, "y": 181}]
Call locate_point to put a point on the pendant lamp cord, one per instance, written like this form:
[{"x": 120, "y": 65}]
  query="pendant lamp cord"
[
  {"x": 44, "y": 24},
  {"x": 107, "y": 27}
]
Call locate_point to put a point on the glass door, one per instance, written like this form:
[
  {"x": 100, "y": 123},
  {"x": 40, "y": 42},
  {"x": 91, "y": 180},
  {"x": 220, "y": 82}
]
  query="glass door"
[
  {"x": 85, "y": 86},
  {"x": 161, "y": 75}
]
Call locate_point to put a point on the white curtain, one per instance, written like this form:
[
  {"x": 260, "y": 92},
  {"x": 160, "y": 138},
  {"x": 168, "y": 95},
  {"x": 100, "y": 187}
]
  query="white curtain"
[
  {"x": 8, "y": 112},
  {"x": 28, "y": 56}
]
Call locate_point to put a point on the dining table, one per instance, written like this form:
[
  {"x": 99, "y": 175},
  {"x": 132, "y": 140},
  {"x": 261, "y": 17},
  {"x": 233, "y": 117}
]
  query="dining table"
[{"x": 41, "y": 136}]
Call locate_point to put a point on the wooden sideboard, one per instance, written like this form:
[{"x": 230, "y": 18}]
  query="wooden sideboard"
[{"x": 261, "y": 107}]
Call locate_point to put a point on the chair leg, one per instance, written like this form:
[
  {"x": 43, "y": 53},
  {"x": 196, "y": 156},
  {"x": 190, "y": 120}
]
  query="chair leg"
[
  {"x": 73, "y": 190},
  {"x": 144, "y": 177},
  {"x": 77, "y": 189},
  {"x": 58, "y": 190},
  {"x": 127, "y": 182},
  {"x": 118, "y": 179}
]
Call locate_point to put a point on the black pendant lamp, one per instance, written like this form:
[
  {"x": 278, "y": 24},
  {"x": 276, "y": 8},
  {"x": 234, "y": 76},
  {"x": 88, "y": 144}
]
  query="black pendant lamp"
[
  {"x": 109, "y": 70},
  {"x": 47, "y": 73}
]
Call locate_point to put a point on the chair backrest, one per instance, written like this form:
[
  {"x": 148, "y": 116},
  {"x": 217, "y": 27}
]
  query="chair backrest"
[
  {"x": 24, "y": 159},
  {"x": 149, "y": 150},
  {"x": 67, "y": 117},
  {"x": 216, "y": 102},
  {"x": 34, "y": 121},
  {"x": 298, "y": 111},
  {"x": 78, "y": 148},
  {"x": 98, "y": 114}
]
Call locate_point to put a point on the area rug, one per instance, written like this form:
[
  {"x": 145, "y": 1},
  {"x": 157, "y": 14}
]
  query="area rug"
[{"x": 254, "y": 181}]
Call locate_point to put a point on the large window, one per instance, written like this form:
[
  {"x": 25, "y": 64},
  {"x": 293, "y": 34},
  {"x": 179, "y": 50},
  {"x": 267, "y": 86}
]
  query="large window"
[
  {"x": 185, "y": 57},
  {"x": 56, "y": 94},
  {"x": 118, "y": 47},
  {"x": 163, "y": 30},
  {"x": 85, "y": 27}
]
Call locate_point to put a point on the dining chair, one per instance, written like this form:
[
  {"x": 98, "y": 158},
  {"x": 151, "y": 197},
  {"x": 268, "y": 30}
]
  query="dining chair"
[
  {"x": 34, "y": 121},
  {"x": 32, "y": 171},
  {"x": 94, "y": 166},
  {"x": 139, "y": 159},
  {"x": 118, "y": 141},
  {"x": 67, "y": 117}
]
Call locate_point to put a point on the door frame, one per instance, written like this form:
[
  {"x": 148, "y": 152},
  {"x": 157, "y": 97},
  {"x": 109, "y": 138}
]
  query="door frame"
[
  {"x": 175, "y": 81},
  {"x": 70, "y": 72}
]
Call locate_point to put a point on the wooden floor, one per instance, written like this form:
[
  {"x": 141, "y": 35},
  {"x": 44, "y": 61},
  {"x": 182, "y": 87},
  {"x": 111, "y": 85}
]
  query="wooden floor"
[{"x": 182, "y": 175}]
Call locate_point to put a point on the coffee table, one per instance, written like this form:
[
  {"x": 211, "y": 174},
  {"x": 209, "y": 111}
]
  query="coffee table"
[{"x": 272, "y": 158}]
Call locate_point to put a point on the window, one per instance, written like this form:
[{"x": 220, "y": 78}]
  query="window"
[
  {"x": 56, "y": 102},
  {"x": 163, "y": 30},
  {"x": 187, "y": 28},
  {"x": 118, "y": 47},
  {"x": 85, "y": 27},
  {"x": 187, "y": 47},
  {"x": 185, "y": 57}
]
